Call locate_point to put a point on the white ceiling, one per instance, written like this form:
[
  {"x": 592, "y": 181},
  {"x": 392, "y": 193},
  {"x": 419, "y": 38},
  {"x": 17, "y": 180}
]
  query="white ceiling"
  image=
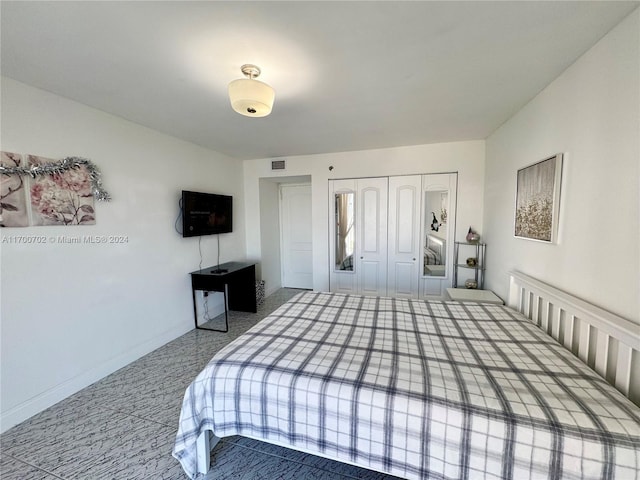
[{"x": 347, "y": 75}]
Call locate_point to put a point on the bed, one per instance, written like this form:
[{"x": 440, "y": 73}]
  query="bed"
[{"x": 427, "y": 389}]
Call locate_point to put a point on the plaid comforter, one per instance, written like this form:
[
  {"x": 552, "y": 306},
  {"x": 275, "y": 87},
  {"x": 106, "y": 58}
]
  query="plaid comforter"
[{"x": 417, "y": 389}]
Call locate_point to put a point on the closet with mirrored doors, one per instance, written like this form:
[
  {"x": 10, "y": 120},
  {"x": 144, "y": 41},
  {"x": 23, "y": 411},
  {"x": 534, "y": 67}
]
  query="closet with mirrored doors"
[{"x": 392, "y": 236}]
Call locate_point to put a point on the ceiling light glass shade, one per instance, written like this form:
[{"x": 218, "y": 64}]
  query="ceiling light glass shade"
[{"x": 250, "y": 97}]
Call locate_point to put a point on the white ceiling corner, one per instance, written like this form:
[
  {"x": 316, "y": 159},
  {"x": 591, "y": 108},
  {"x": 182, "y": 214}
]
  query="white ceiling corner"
[{"x": 347, "y": 75}]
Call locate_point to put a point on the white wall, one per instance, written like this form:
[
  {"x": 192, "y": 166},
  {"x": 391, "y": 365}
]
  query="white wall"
[
  {"x": 591, "y": 113},
  {"x": 269, "y": 268},
  {"x": 72, "y": 314},
  {"x": 466, "y": 158}
]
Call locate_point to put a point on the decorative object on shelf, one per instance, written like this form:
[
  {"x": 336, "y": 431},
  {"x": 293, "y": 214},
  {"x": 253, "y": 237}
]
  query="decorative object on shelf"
[
  {"x": 62, "y": 192},
  {"x": 434, "y": 224},
  {"x": 472, "y": 261},
  {"x": 251, "y": 97},
  {"x": 538, "y": 200},
  {"x": 471, "y": 284},
  {"x": 472, "y": 237}
]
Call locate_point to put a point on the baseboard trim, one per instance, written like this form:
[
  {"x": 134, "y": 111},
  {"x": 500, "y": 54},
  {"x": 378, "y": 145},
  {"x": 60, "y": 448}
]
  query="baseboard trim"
[
  {"x": 46, "y": 399},
  {"x": 271, "y": 291}
]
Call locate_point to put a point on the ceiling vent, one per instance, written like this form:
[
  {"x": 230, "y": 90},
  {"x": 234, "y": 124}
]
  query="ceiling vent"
[{"x": 277, "y": 165}]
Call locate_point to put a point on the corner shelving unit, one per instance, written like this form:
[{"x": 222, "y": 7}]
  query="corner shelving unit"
[{"x": 478, "y": 270}]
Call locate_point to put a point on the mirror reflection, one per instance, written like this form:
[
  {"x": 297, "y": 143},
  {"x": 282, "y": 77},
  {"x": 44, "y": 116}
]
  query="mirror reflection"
[
  {"x": 435, "y": 245},
  {"x": 345, "y": 231}
]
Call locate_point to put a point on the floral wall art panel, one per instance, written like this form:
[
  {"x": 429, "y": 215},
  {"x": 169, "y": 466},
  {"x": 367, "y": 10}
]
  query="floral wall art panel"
[
  {"x": 13, "y": 193},
  {"x": 63, "y": 198},
  {"x": 538, "y": 200}
]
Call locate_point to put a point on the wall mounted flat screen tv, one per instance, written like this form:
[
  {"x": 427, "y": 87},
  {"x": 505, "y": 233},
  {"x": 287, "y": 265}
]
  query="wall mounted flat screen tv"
[{"x": 206, "y": 214}]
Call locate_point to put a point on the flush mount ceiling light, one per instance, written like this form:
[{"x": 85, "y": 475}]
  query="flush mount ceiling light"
[{"x": 249, "y": 96}]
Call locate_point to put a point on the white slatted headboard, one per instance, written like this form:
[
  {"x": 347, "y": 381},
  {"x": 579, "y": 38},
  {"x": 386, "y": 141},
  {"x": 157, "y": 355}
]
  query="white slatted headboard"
[{"x": 609, "y": 344}]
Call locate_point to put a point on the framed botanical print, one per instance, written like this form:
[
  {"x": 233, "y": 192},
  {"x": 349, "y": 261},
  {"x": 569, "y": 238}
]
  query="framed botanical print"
[{"x": 538, "y": 200}]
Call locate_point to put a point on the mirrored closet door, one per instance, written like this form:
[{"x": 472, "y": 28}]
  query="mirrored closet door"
[
  {"x": 392, "y": 235},
  {"x": 439, "y": 193},
  {"x": 358, "y": 232}
]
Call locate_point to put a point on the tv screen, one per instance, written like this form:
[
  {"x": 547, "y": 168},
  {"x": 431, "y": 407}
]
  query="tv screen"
[{"x": 206, "y": 214}]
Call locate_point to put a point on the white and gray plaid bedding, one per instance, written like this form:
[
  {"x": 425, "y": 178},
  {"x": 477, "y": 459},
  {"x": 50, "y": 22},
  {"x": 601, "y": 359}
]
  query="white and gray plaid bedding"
[{"x": 417, "y": 389}]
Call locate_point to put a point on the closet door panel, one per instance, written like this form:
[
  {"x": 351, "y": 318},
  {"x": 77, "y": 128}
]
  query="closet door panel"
[
  {"x": 371, "y": 234},
  {"x": 345, "y": 283},
  {"x": 404, "y": 235},
  {"x": 343, "y": 210},
  {"x": 405, "y": 214},
  {"x": 370, "y": 278},
  {"x": 371, "y": 246},
  {"x": 434, "y": 287},
  {"x": 404, "y": 279}
]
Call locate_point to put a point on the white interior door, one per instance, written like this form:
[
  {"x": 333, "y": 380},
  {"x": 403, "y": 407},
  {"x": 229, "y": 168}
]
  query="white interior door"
[
  {"x": 296, "y": 236},
  {"x": 371, "y": 228},
  {"x": 404, "y": 236}
]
